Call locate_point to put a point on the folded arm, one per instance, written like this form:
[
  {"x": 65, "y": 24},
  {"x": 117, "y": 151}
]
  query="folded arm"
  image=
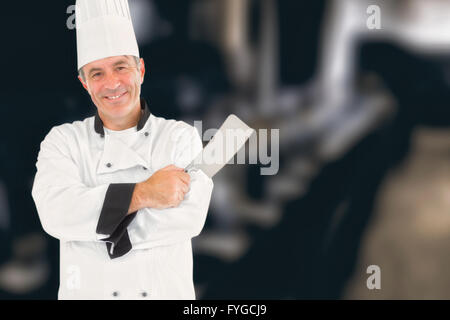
[{"x": 174, "y": 212}]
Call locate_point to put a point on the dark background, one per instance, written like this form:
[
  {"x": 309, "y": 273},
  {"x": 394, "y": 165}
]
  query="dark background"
[{"x": 303, "y": 232}]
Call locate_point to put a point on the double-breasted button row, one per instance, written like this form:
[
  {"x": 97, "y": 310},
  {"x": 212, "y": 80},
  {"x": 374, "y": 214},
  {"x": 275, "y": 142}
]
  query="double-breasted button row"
[
  {"x": 143, "y": 294},
  {"x": 109, "y": 164}
]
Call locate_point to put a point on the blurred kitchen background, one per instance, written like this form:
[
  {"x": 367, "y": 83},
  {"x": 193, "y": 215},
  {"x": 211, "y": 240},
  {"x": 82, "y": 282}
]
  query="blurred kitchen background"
[{"x": 363, "y": 109}]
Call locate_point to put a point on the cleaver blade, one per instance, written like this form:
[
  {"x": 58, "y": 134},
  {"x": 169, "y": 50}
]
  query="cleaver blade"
[{"x": 227, "y": 141}]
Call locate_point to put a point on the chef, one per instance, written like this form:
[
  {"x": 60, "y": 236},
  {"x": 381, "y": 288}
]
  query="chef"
[{"x": 111, "y": 188}]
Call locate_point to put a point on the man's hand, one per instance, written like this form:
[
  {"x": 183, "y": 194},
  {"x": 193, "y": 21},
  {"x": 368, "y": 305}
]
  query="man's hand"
[{"x": 166, "y": 188}]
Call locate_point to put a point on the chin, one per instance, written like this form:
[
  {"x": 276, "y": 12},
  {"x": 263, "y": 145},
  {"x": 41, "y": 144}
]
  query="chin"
[{"x": 119, "y": 111}]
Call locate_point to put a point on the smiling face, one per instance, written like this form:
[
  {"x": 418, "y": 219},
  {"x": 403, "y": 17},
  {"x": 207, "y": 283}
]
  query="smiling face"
[{"x": 114, "y": 84}]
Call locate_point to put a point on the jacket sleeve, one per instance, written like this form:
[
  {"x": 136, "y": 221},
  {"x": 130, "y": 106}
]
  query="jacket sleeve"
[
  {"x": 153, "y": 227},
  {"x": 68, "y": 209}
]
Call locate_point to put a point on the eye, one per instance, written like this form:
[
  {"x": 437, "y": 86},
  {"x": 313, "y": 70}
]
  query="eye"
[
  {"x": 96, "y": 75},
  {"x": 121, "y": 68}
]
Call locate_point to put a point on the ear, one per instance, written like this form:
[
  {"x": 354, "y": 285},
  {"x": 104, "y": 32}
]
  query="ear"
[
  {"x": 83, "y": 83},
  {"x": 142, "y": 71}
]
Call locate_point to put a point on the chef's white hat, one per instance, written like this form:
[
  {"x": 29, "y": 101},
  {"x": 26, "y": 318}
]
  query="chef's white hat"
[{"x": 104, "y": 29}]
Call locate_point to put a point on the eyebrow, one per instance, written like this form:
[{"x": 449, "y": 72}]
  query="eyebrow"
[
  {"x": 114, "y": 65},
  {"x": 94, "y": 70},
  {"x": 120, "y": 62}
]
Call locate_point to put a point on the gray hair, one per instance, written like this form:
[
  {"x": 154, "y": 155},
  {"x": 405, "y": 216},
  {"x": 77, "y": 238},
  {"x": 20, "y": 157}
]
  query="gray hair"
[{"x": 83, "y": 77}]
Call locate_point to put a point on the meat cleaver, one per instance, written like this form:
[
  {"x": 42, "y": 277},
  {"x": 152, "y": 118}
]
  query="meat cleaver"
[{"x": 227, "y": 141}]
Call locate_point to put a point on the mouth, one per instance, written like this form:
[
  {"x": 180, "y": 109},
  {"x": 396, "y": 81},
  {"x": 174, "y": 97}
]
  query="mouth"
[{"x": 115, "y": 98}]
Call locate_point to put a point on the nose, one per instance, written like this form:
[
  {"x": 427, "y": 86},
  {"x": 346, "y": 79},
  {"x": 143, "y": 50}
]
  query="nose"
[{"x": 111, "y": 82}]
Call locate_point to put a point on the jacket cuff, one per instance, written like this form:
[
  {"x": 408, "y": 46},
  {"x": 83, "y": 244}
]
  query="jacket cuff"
[
  {"x": 119, "y": 242},
  {"x": 114, "y": 220},
  {"x": 120, "y": 248}
]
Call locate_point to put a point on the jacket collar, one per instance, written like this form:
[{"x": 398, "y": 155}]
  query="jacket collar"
[{"x": 98, "y": 123}]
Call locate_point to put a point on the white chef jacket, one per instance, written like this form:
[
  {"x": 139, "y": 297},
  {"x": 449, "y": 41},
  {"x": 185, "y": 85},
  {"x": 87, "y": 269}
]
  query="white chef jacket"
[{"x": 82, "y": 190}]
